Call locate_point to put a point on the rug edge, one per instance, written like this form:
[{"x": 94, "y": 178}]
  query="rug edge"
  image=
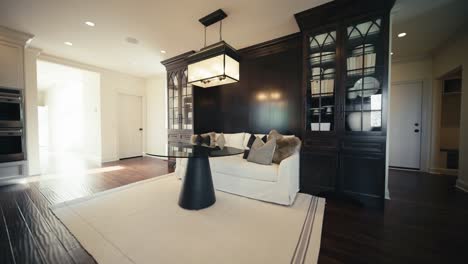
[{"x": 107, "y": 192}]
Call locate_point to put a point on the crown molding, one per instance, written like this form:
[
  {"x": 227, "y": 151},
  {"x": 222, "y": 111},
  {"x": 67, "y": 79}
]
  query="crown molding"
[
  {"x": 36, "y": 51},
  {"x": 412, "y": 58},
  {"x": 14, "y": 36}
]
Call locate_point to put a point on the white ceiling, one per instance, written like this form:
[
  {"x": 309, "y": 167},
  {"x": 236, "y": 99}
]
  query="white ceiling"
[
  {"x": 428, "y": 24},
  {"x": 158, "y": 25},
  {"x": 173, "y": 26}
]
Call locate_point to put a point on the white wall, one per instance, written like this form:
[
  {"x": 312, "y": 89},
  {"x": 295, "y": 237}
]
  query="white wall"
[
  {"x": 156, "y": 108},
  {"x": 32, "y": 132},
  {"x": 113, "y": 83},
  {"x": 453, "y": 55},
  {"x": 419, "y": 70}
]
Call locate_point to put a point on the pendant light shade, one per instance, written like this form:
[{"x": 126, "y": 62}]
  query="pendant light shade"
[{"x": 214, "y": 65}]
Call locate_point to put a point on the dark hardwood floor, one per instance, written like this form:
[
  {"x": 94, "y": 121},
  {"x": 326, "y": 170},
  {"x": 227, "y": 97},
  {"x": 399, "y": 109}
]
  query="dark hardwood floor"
[
  {"x": 30, "y": 233},
  {"x": 425, "y": 222}
]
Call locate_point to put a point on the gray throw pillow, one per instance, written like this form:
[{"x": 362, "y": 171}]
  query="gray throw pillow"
[
  {"x": 262, "y": 153},
  {"x": 221, "y": 141}
]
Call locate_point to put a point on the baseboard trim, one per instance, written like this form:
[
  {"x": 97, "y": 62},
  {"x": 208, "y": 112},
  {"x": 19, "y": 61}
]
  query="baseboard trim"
[
  {"x": 104, "y": 160},
  {"x": 154, "y": 157},
  {"x": 451, "y": 172},
  {"x": 462, "y": 185}
]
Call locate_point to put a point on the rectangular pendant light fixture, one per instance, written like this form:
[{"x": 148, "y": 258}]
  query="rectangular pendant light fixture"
[{"x": 214, "y": 65}]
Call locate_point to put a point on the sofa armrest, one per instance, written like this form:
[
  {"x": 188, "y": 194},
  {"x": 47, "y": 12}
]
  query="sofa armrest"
[{"x": 289, "y": 173}]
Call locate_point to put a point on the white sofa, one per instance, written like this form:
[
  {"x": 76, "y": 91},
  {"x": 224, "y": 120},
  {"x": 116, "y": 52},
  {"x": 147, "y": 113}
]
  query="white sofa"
[{"x": 276, "y": 183}]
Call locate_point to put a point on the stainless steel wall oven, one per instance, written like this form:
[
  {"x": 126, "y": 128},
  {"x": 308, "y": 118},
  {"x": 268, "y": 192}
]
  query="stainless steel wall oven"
[{"x": 11, "y": 125}]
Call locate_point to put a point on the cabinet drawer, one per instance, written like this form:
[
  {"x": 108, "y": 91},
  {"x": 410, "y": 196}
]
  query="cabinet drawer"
[
  {"x": 320, "y": 143},
  {"x": 363, "y": 146}
]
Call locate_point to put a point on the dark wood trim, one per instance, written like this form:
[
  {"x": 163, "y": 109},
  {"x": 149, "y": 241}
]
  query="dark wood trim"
[
  {"x": 340, "y": 10},
  {"x": 272, "y": 46},
  {"x": 176, "y": 61}
]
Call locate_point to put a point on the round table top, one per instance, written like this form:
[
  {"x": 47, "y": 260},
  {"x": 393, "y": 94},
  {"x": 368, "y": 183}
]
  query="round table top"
[{"x": 184, "y": 150}]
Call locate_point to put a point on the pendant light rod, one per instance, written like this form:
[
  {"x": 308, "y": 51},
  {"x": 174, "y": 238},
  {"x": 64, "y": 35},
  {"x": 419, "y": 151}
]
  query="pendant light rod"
[{"x": 220, "y": 30}]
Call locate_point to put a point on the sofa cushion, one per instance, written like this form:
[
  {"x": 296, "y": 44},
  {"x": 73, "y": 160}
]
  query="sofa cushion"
[
  {"x": 237, "y": 167},
  {"x": 235, "y": 140},
  {"x": 285, "y": 147},
  {"x": 251, "y": 137},
  {"x": 221, "y": 141},
  {"x": 262, "y": 153}
]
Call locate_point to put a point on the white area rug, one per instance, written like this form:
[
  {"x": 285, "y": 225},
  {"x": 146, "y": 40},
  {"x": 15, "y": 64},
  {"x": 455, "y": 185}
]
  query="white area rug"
[{"x": 142, "y": 223}]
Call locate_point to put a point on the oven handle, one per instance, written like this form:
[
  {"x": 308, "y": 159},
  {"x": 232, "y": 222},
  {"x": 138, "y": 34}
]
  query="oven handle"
[
  {"x": 11, "y": 133},
  {"x": 8, "y": 99}
]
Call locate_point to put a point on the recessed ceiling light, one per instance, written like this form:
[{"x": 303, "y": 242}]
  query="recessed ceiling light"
[
  {"x": 68, "y": 43},
  {"x": 89, "y": 23},
  {"x": 391, "y": 53},
  {"x": 163, "y": 51},
  {"x": 131, "y": 40},
  {"x": 402, "y": 34}
]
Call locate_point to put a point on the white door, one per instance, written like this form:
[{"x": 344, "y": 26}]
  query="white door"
[
  {"x": 130, "y": 126},
  {"x": 405, "y": 125}
]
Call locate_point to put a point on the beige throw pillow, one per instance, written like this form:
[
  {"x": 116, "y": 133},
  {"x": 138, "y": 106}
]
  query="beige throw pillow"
[
  {"x": 221, "y": 141},
  {"x": 262, "y": 153}
]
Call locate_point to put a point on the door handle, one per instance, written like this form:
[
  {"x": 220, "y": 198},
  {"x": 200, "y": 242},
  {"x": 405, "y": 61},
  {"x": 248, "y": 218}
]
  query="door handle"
[
  {"x": 416, "y": 130},
  {"x": 416, "y": 124},
  {"x": 141, "y": 129}
]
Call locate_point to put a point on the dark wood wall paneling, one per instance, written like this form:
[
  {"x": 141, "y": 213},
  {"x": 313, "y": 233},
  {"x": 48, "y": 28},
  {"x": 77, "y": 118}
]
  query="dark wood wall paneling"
[{"x": 268, "y": 95}]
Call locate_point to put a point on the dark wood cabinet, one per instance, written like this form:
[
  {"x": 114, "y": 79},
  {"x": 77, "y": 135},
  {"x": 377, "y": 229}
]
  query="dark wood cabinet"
[
  {"x": 345, "y": 83},
  {"x": 179, "y": 101}
]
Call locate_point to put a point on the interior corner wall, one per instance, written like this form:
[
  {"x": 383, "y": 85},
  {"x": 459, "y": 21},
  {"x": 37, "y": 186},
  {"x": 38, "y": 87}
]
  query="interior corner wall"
[
  {"x": 416, "y": 70},
  {"x": 111, "y": 84},
  {"x": 446, "y": 59},
  {"x": 156, "y": 117}
]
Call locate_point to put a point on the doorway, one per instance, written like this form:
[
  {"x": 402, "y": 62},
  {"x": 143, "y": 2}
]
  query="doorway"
[
  {"x": 405, "y": 119},
  {"x": 69, "y": 118},
  {"x": 130, "y": 126},
  {"x": 449, "y": 127}
]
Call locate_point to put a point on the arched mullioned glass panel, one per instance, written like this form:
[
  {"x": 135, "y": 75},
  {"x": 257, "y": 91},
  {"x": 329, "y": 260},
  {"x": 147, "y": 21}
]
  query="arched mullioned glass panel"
[
  {"x": 363, "y": 98},
  {"x": 321, "y": 40},
  {"x": 362, "y": 30},
  {"x": 175, "y": 79},
  {"x": 321, "y": 85}
]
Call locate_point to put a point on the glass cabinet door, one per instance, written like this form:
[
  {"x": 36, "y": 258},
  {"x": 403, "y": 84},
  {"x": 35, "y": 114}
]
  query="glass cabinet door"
[
  {"x": 173, "y": 101},
  {"x": 364, "y": 76},
  {"x": 321, "y": 92},
  {"x": 187, "y": 109}
]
